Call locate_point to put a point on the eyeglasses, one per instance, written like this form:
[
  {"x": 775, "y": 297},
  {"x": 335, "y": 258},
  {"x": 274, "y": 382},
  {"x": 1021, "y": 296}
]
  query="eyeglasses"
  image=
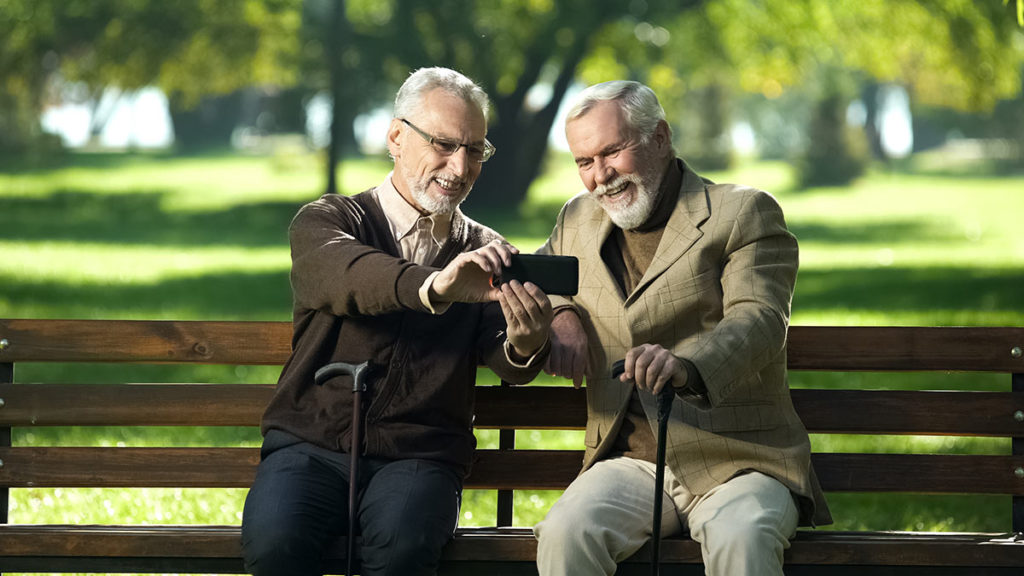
[{"x": 445, "y": 147}]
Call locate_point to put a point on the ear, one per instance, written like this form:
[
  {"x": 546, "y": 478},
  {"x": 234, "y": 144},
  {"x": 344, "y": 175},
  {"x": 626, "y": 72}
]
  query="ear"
[
  {"x": 663, "y": 136},
  {"x": 393, "y": 141}
]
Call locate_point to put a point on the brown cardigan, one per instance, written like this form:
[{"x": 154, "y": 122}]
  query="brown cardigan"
[{"x": 356, "y": 299}]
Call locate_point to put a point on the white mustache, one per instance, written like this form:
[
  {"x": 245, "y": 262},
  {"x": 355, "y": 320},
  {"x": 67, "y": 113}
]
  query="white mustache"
[
  {"x": 455, "y": 180},
  {"x": 616, "y": 185}
]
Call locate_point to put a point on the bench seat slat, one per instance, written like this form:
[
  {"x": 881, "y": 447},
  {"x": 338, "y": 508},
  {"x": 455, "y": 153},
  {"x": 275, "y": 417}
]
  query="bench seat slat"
[
  {"x": 525, "y": 407},
  {"x": 493, "y": 469},
  {"x": 217, "y": 543}
]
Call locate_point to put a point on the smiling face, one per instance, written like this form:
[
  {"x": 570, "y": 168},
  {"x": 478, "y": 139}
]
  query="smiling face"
[
  {"x": 620, "y": 170},
  {"x": 431, "y": 181}
]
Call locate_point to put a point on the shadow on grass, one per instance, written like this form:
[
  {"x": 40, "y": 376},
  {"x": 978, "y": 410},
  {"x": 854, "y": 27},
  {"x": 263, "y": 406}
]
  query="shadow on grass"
[
  {"x": 889, "y": 233},
  {"x": 891, "y": 289},
  {"x": 77, "y": 215},
  {"x": 228, "y": 296},
  {"x": 36, "y": 164},
  {"x": 537, "y": 218}
]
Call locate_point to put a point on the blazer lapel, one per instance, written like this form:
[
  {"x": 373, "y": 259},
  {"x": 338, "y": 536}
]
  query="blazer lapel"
[
  {"x": 594, "y": 273},
  {"x": 681, "y": 231}
]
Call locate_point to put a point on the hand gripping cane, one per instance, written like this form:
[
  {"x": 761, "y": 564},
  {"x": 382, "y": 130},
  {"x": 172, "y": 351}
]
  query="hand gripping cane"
[
  {"x": 358, "y": 373},
  {"x": 665, "y": 398}
]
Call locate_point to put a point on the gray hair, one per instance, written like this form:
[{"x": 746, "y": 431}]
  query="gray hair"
[
  {"x": 638, "y": 102},
  {"x": 422, "y": 81}
]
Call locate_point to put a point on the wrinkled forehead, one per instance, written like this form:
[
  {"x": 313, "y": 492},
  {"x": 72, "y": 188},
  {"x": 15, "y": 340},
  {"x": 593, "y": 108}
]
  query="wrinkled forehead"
[
  {"x": 450, "y": 116},
  {"x": 602, "y": 126}
]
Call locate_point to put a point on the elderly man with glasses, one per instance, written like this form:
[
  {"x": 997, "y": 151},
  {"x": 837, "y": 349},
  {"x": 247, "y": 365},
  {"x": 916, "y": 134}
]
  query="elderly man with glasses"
[{"x": 399, "y": 277}]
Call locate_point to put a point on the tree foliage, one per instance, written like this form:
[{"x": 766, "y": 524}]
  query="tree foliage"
[
  {"x": 189, "y": 48},
  {"x": 697, "y": 54}
]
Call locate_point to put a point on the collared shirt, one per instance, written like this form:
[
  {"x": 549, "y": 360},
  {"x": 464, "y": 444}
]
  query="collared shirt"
[{"x": 419, "y": 236}]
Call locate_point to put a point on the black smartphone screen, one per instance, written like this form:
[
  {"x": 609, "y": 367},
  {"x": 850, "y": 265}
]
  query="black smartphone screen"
[{"x": 552, "y": 274}]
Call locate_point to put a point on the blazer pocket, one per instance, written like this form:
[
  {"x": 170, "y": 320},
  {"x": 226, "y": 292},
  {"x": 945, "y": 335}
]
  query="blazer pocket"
[
  {"x": 690, "y": 287},
  {"x": 592, "y": 436},
  {"x": 740, "y": 417}
]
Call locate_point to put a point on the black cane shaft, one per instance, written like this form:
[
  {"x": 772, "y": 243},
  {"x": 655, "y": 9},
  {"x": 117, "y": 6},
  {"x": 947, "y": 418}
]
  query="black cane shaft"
[
  {"x": 353, "y": 479},
  {"x": 665, "y": 399},
  {"x": 659, "y": 490}
]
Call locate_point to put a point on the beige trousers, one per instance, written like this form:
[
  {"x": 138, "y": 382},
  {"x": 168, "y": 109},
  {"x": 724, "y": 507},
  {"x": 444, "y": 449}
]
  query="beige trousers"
[{"x": 604, "y": 516}]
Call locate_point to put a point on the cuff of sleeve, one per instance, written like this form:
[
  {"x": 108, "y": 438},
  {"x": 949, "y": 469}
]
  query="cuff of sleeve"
[
  {"x": 511, "y": 355},
  {"x": 556, "y": 310},
  {"x": 694, "y": 381},
  {"x": 433, "y": 308}
]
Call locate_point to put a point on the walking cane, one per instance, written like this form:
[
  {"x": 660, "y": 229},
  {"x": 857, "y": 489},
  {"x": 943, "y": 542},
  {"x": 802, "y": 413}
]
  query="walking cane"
[
  {"x": 665, "y": 398},
  {"x": 358, "y": 373},
  {"x": 664, "y": 408}
]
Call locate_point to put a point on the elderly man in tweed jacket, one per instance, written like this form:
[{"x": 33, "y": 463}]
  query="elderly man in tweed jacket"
[{"x": 689, "y": 282}]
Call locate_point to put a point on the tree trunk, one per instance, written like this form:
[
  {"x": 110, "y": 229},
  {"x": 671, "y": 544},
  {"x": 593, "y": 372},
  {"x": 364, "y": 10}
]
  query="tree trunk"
[
  {"x": 836, "y": 155},
  {"x": 334, "y": 44},
  {"x": 710, "y": 146},
  {"x": 869, "y": 97},
  {"x": 208, "y": 125},
  {"x": 521, "y": 136}
]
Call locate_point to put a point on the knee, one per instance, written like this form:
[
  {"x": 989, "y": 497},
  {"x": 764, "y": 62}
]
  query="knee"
[
  {"x": 564, "y": 529},
  {"x": 276, "y": 549},
  {"x": 403, "y": 548},
  {"x": 418, "y": 553},
  {"x": 755, "y": 539}
]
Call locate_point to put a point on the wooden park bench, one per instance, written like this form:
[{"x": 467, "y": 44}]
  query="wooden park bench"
[{"x": 502, "y": 549}]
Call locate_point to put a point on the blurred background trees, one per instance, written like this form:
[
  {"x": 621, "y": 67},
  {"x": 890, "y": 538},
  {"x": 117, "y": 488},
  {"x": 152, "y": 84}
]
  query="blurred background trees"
[
  {"x": 199, "y": 53},
  {"x": 802, "y": 80}
]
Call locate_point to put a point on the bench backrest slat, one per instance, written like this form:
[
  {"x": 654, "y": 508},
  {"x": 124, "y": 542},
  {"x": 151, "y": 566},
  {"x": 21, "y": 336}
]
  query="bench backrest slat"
[
  {"x": 493, "y": 469},
  {"x": 133, "y": 404},
  {"x": 195, "y": 342},
  {"x": 527, "y": 407},
  {"x": 254, "y": 343},
  {"x": 889, "y": 348}
]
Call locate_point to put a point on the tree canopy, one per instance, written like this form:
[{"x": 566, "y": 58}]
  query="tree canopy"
[
  {"x": 189, "y": 48},
  {"x": 962, "y": 54}
]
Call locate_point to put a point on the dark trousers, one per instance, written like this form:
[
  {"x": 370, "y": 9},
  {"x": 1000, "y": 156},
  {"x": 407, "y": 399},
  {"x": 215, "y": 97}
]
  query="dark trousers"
[{"x": 298, "y": 504}]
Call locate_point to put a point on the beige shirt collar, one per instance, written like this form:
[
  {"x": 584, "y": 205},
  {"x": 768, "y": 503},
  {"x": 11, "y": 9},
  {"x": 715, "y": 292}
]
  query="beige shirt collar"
[{"x": 402, "y": 216}]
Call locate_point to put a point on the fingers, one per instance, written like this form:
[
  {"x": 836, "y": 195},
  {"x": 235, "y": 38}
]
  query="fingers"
[
  {"x": 568, "y": 357},
  {"x": 650, "y": 367},
  {"x": 567, "y": 360},
  {"x": 578, "y": 368},
  {"x": 527, "y": 302},
  {"x": 493, "y": 256},
  {"x": 467, "y": 278},
  {"x": 527, "y": 313}
]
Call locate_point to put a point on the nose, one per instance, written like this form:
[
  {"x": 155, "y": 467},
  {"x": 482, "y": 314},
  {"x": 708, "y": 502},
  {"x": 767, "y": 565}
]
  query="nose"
[
  {"x": 459, "y": 162},
  {"x": 603, "y": 171}
]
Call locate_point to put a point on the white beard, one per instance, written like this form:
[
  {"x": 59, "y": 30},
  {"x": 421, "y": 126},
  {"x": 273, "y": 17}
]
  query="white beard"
[
  {"x": 634, "y": 214},
  {"x": 434, "y": 204},
  {"x": 646, "y": 181}
]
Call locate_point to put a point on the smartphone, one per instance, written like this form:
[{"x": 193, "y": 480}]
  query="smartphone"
[{"x": 552, "y": 274}]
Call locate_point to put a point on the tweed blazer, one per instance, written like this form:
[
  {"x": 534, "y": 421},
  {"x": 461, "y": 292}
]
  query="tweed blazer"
[{"x": 718, "y": 293}]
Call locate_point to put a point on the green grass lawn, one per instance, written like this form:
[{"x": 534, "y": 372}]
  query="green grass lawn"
[{"x": 153, "y": 237}]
